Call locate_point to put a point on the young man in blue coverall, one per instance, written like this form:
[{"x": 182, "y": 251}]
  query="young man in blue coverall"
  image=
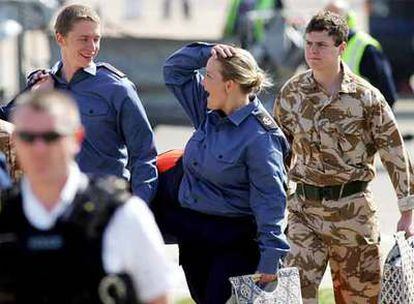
[{"x": 119, "y": 140}]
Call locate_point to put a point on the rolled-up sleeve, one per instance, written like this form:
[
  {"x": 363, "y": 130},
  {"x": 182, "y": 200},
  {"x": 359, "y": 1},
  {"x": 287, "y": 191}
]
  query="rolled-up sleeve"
[{"x": 267, "y": 177}]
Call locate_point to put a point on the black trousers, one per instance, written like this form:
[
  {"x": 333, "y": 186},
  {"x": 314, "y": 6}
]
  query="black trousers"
[{"x": 212, "y": 248}]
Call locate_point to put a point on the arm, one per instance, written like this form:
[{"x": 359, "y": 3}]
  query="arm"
[
  {"x": 376, "y": 68},
  {"x": 133, "y": 244},
  {"x": 139, "y": 139},
  {"x": 282, "y": 113},
  {"x": 39, "y": 79},
  {"x": 268, "y": 197},
  {"x": 183, "y": 79},
  {"x": 389, "y": 143}
]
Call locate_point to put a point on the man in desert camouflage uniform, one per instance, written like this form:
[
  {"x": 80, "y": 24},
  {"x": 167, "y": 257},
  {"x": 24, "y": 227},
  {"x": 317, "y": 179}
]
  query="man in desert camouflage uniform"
[
  {"x": 7, "y": 148},
  {"x": 336, "y": 122}
]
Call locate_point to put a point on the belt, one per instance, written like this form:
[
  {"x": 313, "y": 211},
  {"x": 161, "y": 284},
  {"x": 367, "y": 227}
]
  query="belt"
[{"x": 336, "y": 192}]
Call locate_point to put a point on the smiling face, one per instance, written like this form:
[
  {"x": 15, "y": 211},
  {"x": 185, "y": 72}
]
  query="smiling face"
[
  {"x": 81, "y": 44},
  {"x": 321, "y": 54}
]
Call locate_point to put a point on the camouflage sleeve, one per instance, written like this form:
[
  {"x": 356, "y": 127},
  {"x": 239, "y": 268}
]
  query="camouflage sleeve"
[
  {"x": 389, "y": 143},
  {"x": 7, "y": 147},
  {"x": 282, "y": 113}
]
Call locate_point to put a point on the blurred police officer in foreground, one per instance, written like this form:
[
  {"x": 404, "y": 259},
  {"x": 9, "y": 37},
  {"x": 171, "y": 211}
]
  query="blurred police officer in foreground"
[
  {"x": 66, "y": 238},
  {"x": 337, "y": 122},
  {"x": 119, "y": 139}
]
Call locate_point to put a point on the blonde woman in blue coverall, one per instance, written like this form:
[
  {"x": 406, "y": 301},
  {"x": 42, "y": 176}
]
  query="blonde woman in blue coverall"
[{"x": 229, "y": 213}]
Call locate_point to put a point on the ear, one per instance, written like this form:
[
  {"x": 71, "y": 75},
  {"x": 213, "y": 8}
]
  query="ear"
[
  {"x": 229, "y": 85},
  {"x": 79, "y": 135},
  {"x": 60, "y": 39},
  {"x": 342, "y": 48}
]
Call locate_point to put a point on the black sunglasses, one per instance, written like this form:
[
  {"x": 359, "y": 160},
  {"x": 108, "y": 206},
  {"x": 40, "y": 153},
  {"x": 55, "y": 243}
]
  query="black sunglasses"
[{"x": 47, "y": 137}]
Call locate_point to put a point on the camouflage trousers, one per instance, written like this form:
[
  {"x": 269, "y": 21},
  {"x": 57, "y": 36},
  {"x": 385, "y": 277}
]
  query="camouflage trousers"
[
  {"x": 343, "y": 233},
  {"x": 7, "y": 147}
]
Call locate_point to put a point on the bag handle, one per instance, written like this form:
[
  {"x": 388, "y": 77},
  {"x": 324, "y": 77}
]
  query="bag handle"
[
  {"x": 406, "y": 252},
  {"x": 282, "y": 275}
]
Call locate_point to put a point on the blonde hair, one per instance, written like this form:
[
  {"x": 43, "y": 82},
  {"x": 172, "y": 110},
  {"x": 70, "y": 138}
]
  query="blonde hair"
[
  {"x": 71, "y": 14},
  {"x": 243, "y": 68}
]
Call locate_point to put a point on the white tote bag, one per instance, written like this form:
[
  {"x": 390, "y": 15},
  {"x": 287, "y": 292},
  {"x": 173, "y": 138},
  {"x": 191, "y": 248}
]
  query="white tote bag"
[
  {"x": 287, "y": 291},
  {"x": 398, "y": 278}
]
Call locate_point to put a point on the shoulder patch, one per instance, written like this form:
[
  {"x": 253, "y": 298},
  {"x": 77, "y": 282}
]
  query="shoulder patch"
[
  {"x": 265, "y": 119},
  {"x": 110, "y": 68}
]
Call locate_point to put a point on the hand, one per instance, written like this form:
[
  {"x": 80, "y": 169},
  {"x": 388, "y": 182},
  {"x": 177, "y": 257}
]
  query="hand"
[
  {"x": 44, "y": 82},
  {"x": 222, "y": 50},
  {"x": 36, "y": 76},
  {"x": 40, "y": 80},
  {"x": 406, "y": 223},
  {"x": 267, "y": 278}
]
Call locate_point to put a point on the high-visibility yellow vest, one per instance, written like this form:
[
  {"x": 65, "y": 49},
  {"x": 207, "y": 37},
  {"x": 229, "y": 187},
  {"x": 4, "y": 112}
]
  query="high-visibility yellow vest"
[
  {"x": 258, "y": 27},
  {"x": 355, "y": 49},
  {"x": 351, "y": 20},
  {"x": 231, "y": 17}
]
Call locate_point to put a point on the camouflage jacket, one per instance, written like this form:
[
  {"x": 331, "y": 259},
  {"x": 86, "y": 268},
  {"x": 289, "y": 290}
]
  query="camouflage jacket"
[
  {"x": 7, "y": 148},
  {"x": 335, "y": 138}
]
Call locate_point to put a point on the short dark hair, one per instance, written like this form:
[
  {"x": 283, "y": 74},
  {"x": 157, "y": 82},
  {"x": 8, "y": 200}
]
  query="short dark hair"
[
  {"x": 334, "y": 24},
  {"x": 71, "y": 14}
]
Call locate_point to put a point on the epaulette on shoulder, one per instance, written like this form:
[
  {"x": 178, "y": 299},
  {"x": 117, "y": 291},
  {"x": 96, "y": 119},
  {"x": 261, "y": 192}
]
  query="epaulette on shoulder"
[
  {"x": 110, "y": 68},
  {"x": 265, "y": 119}
]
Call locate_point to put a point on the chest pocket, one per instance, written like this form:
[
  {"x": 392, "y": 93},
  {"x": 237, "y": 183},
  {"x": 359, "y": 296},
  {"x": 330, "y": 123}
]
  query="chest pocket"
[
  {"x": 93, "y": 106},
  {"x": 225, "y": 155},
  {"x": 225, "y": 158},
  {"x": 348, "y": 140},
  {"x": 350, "y": 133},
  {"x": 346, "y": 123},
  {"x": 351, "y": 139}
]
